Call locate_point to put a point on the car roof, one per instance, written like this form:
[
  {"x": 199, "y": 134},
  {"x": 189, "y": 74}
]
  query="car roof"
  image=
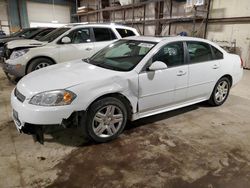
[
  {"x": 166, "y": 38},
  {"x": 97, "y": 24},
  {"x": 146, "y": 38},
  {"x": 172, "y": 39}
]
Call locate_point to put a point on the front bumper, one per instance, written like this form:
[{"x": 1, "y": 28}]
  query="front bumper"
[
  {"x": 16, "y": 70},
  {"x": 25, "y": 113}
]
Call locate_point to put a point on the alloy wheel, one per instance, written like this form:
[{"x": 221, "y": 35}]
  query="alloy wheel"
[
  {"x": 41, "y": 65},
  {"x": 221, "y": 91},
  {"x": 107, "y": 121}
]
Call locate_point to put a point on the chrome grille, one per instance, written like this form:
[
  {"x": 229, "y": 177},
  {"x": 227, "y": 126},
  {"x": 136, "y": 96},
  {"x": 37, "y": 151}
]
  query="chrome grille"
[{"x": 19, "y": 95}]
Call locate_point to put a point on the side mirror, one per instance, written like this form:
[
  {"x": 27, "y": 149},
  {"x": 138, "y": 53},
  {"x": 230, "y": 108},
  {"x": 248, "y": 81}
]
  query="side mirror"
[
  {"x": 66, "y": 40},
  {"x": 157, "y": 65}
]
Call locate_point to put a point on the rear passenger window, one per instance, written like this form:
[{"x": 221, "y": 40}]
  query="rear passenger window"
[
  {"x": 125, "y": 32},
  {"x": 103, "y": 34},
  {"x": 172, "y": 54},
  {"x": 217, "y": 53},
  {"x": 199, "y": 52}
]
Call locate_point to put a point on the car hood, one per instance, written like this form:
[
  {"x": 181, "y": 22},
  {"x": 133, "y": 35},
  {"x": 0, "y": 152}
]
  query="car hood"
[
  {"x": 25, "y": 43},
  {"x": 7, "y": 39},
  {"x": 63, "y": 76}
]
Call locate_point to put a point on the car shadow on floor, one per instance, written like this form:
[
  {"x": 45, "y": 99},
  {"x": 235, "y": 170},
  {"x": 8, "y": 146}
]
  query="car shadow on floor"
[
  {"x": 65, "y": 136},
  {"x": 75, "y": 136}
]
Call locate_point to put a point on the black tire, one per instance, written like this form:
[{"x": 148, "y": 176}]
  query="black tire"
[
  {"x": 89, "y": 125},
  {"x": 39, "y": 61},
  {"x": 213, "y": 99}
]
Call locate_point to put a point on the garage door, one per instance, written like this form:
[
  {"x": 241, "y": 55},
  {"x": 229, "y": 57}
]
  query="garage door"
[
  {"x": 4, "y": 25},
  {"x": 42, "y": 13}
]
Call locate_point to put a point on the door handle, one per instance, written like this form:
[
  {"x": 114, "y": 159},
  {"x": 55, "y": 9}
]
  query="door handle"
[
  {"x": 215, "y": 66},
  {"x": 181, "y": 73},
  {"x": 88, "y": 49}
]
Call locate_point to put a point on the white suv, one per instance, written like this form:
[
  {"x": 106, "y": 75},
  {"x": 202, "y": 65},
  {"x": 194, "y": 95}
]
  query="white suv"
[
  {"x": 130, "y": 79},
  {"x": 74, "y": 41}
]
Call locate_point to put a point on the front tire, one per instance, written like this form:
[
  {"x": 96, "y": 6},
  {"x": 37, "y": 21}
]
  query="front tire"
[
  {"x": 39, "y": 63},
  {"x": 106, "y": 119},
  {"x": 220, "y": 92}
]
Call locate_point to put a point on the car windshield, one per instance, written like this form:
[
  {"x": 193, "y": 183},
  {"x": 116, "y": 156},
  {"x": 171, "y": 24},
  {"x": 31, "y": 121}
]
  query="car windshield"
[
  {"x": 122, "y": 55},
  {"x": 54, "y": 34},
  {"x": 26, "y": 33},
  {"x": 42, "y": 33}
]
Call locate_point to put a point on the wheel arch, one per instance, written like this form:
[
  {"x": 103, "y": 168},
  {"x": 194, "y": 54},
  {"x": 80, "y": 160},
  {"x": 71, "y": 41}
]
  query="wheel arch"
[
  {"x": 120, "y": 97},
  {"x": 228, "y": 76},
  {"x": 37, "y": 57}
]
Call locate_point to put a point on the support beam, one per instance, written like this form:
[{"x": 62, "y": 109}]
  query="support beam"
[
  {"x": 17, "y": 13},
  {"x": 207, "y": 18},
  {"x": 73, "y": 11},
  {"x": 159, "y": 7},
  {"x": 170, "y": 12}
]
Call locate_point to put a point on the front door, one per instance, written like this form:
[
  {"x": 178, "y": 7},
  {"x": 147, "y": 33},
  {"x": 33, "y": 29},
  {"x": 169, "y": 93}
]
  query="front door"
[
  {"x": 81, "y": 46},
  {"x": 164, "y": 88}
]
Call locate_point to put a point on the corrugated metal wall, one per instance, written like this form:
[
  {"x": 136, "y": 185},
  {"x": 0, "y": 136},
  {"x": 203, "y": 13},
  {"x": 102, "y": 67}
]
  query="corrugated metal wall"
[{"x": 230, "y": 34}]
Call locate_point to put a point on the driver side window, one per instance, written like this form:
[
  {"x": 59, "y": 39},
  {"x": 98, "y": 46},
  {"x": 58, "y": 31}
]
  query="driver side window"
[
  {"x": 80, "y": 36},
  {"x": 171, "y": 54}
]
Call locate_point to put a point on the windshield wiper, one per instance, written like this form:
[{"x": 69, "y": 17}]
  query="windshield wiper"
[
  {"x": 101, "y": 64},
  {"x": 86, "y": 60}
]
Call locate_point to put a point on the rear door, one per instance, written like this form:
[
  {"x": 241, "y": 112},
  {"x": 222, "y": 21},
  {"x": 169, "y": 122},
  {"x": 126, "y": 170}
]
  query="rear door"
[
  {"x": 81, "y": 45},
  {"x": 204, "y": 70},
  {"x": 103, "y": 37}
]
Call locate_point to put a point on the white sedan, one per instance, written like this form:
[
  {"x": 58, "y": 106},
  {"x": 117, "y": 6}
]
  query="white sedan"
[{"x": 130, "y": 79}]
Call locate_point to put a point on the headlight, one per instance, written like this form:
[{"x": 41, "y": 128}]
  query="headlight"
[
  {"x": 18, "y": 53},
  {"x": 53, "y": 98}
]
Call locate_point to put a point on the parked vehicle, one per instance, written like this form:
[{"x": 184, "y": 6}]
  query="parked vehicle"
[
  {"x": 130, "y": 79},
  {"x": 2, "y": 34},
  {"x": 27, "y": 33},
  {"x": 74, "y": 41}
]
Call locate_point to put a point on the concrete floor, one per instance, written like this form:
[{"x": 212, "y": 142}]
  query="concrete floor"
[{"x": 198, "y": 146}]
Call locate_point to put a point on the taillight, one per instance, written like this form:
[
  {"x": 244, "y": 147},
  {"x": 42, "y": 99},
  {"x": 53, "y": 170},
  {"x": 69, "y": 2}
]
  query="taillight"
[{"x": 241, "y": 62}]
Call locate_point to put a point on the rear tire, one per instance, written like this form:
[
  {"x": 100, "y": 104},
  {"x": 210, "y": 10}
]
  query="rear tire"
[
  {"x": 38, "y": 64},
  {"x": 220, "y": 92},
  {"x": 105, "y": 119}
]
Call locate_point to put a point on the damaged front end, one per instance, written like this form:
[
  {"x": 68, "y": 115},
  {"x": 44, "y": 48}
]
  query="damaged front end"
[{"x": 37, "y": 131}]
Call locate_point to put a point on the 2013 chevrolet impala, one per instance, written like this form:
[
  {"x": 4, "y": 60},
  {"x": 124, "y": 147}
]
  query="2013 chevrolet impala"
[{"x": 130, "y": 79}]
